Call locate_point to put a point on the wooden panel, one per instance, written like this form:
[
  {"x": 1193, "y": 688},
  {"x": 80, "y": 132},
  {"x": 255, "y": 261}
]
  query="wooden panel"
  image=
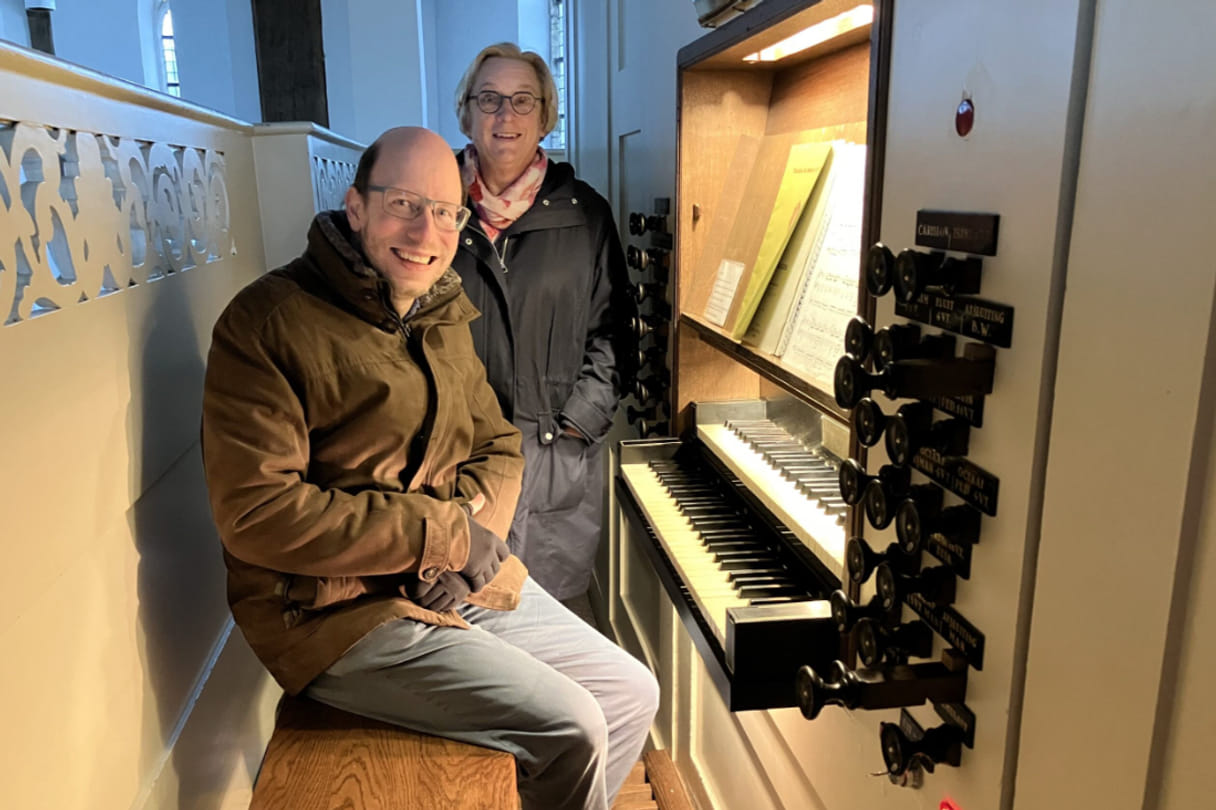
[
  {"x": 717, "y": 108},
  {"x": 705, "y": 374},
  {"x": 772, "y": 370},
  {"x": 827, "y": 92},
  {"x": 321, "y": 758}
]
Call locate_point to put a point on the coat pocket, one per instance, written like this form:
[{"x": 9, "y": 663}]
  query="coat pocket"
[{"x": 558, "y": 473}]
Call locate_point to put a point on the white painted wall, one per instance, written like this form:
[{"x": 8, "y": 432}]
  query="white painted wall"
[
  {"x": 435, "y": 106},
  {"x": 217, "y": 61},
  {"x": 643, "y": 41},
  {"x": 1119, "y": 710},
  {"x": 462, "y": 28},
  {"x": 216, "y": 56},
  {"x": 77, "y": 29},
  {"x": 13, "y": 26},
  {"x": 335, "y": 39},
  {"x": 114, "y": 606},
  {"x": 533, "y": 26},
  {"x": 373, "y": 66}
]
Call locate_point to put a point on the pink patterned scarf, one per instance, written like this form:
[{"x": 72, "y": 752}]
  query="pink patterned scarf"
[{"x": 498, "y": 211}]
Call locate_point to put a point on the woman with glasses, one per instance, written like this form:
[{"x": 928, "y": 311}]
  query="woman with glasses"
[{"x": 541, "y": 259}]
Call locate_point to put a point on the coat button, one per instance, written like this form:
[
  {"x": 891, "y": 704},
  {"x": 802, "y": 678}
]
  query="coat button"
[
  {"x": 430, "y": 573},
  {"x": 548, "y": 436},
  {"x": 544, "y": 202},
  {"x": 468, "y": 241},
  {"x": 573, "y": 201}
]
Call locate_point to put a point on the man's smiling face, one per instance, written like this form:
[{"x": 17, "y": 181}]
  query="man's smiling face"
[{"x": 411, "y": 254}]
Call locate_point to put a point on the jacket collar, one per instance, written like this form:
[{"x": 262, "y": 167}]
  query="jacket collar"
[
  {"x": 555, "y": 205},
  {"x": 335, "y": 254}
]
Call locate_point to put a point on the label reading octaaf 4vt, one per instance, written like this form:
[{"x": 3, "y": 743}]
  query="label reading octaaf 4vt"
[{"x": 726, "y": 283}]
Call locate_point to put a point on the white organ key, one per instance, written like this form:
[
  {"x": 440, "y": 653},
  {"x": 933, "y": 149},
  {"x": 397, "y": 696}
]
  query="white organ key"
[
  {"x": 810, "y": 522},
  {"x": 710, "y": 586}
]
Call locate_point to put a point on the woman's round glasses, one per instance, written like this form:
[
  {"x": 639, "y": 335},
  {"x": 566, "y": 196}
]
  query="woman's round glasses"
[{"x": 489, "y": 101}]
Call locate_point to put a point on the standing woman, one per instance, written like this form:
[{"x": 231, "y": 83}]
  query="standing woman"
[{"x": 542, "y": 261}]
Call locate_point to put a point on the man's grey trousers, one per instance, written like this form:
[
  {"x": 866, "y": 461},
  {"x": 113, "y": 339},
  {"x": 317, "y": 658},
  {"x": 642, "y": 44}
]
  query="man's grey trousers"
[{"x": 536, "y": 681}]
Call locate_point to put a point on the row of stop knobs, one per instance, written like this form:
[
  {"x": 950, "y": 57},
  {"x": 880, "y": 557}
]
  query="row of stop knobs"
[
  {"x": 650, "y": 327},
  {"x": 907, "y": 365}
]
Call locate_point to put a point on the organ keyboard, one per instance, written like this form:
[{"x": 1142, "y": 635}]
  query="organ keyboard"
[{"x": 745, "y": 526}]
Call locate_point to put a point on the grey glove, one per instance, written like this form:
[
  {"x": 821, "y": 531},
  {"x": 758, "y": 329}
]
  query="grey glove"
[
  {"x": 486, "y": 555},
  {"x": 447, "y": 591}
]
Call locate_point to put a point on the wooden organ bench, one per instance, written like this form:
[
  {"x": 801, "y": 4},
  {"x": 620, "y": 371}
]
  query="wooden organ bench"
[{"x": 321, "y": 758}]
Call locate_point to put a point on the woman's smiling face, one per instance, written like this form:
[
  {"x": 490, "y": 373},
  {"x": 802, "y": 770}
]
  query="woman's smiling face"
[{"x": 505, "y": 140}]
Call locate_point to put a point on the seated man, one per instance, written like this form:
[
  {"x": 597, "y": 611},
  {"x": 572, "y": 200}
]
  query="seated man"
[{"x": 362, "y": 476}]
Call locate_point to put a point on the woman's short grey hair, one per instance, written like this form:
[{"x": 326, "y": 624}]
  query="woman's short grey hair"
[{"x": 507, "y": 50}]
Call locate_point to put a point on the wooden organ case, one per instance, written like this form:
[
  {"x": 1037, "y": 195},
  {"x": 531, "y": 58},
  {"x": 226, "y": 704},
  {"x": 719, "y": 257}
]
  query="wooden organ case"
[{"x": 870, "y": 651}]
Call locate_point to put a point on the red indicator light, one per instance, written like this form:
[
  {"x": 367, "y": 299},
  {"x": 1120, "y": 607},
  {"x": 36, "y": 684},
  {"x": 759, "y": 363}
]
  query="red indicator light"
[
  {"x": 964, "y": 117},
  {"x": 947, "y": 804}
]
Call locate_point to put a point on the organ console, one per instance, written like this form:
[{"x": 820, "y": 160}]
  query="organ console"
[
  {"x": 930, "y": 594},
  {"x": 740, "y": 519}
]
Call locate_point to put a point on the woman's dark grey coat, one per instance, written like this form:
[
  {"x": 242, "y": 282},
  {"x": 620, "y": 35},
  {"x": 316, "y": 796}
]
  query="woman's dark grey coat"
[{"x": 553, "y": 334}]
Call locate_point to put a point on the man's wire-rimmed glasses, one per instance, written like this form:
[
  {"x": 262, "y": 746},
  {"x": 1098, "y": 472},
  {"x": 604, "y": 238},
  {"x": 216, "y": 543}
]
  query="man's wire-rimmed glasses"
[
  {"x": 409, "y": 204},
  {"x": 490, "y": 101}
]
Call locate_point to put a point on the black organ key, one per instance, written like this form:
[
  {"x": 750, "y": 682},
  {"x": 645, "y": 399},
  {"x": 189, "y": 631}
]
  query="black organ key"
[
  {"x": 936, "y": 584},
  {"x": 725, "y": 546},
  {"x": 744, "y": 562},
  {"x": 768, "y": 591}
]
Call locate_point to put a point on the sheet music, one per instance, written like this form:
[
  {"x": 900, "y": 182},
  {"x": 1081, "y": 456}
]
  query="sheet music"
[
  {"x": 723, "y": 292},
  {"x": 829, "y": 297}
]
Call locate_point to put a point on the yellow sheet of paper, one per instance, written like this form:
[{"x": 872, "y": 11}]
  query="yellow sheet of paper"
[{"x": 801, "y": 171}]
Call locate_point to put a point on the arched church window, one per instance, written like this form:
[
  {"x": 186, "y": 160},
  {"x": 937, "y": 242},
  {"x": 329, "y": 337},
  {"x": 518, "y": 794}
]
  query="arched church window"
[{"x": 168, "y": 51}]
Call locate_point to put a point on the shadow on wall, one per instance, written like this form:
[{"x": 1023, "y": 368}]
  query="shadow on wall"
[{"x": 183, "y": 612}]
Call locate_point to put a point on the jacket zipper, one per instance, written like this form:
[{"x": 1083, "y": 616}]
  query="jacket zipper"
[{"x": 502, "y": 257}]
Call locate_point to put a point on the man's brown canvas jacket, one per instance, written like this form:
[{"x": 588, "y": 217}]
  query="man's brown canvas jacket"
[{"x": 340, "y": 443}]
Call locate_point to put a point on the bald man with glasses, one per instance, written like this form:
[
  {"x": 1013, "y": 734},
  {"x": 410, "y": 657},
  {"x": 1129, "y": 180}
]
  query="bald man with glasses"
[{"x": 362, "y": 476}]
